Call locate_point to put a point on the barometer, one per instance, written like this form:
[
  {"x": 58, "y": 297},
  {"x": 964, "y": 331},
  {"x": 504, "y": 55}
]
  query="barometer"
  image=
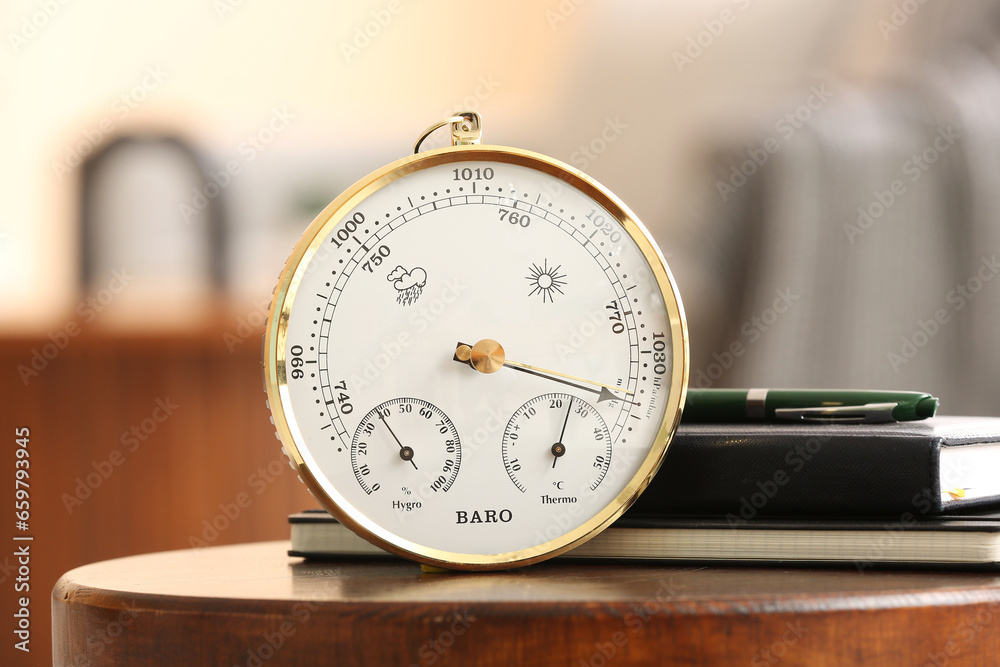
[{"x": 476, "y": 356}]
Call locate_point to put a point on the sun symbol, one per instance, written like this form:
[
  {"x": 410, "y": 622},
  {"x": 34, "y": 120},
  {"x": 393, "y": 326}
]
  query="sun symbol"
[{"x": 545, "y": 280}]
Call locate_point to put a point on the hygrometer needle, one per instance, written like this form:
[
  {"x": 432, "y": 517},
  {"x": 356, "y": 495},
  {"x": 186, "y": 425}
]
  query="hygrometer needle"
[{"x": 405, "y": 453}]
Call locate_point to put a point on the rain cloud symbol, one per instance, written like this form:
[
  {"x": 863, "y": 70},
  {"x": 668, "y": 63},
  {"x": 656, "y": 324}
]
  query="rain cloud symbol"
[{"x": 408, "y": 284}]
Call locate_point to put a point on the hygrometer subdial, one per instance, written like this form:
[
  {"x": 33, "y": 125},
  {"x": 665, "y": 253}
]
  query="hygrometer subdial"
[
  {"x": 406, "y": 446},
  {"x": 556, "y": 445}
]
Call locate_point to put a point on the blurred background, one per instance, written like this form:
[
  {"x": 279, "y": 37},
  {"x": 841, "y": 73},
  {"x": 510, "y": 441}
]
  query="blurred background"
[{"x": 823, "y": 177}]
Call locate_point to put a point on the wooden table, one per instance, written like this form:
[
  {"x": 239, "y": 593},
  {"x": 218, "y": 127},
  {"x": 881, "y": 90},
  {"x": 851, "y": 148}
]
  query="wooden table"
[{"x": 252, "y": 605}]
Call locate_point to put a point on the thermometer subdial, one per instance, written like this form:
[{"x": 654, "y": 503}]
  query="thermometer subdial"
[
  {"x": 406, "y": 444},
  {"x": 556, "y": 443}
]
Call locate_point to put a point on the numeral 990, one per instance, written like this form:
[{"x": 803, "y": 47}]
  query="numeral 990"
[{"x": 296, "y": 362}]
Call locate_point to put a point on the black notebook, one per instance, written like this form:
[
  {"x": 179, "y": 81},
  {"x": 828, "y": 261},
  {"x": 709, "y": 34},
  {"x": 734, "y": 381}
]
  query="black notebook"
[
  {"x": 962, "y": 541},
  {"x": 747, "y": 471}
]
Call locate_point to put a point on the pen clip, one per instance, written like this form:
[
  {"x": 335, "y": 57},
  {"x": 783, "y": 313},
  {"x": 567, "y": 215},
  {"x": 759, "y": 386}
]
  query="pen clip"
[{"x": 869, "y": 413}]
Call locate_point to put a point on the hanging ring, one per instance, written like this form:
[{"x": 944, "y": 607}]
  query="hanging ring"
[{"x": 466, "y": 129}]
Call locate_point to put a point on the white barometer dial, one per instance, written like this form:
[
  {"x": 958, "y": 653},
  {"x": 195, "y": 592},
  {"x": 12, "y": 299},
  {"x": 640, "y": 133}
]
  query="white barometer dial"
[{"x": 476, "y": 356}]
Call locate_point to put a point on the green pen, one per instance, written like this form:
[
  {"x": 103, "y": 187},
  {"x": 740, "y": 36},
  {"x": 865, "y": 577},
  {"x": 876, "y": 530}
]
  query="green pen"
[{"x": 812, "y": 405}]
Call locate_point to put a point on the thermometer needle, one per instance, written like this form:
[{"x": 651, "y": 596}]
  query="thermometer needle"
[
  {"x": 405, "y": 453},
  {"x": 487, "y": 356},
  {"x": 558, "y": 449}
]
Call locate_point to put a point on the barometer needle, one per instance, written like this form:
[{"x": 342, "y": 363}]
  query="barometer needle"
[
  {"x": 487, "y": 356},
  {"x": 405, "y": 453}
]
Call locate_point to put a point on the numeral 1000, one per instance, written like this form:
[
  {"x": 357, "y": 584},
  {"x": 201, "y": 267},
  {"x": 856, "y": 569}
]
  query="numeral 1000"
[{"x": 346, "y": 232}]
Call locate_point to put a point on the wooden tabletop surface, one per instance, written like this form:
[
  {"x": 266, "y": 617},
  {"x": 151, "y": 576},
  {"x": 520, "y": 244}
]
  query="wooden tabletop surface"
[{"x": 253, "y": 605}]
